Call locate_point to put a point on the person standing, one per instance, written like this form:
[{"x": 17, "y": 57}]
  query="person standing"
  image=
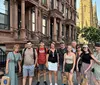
[
  {"x": 53, "y": 60},
  {"x": 42, "y": 61},
  {"x": 69, "y": 64},
  {"x": 96, "y": 65},
  {"x": 74, "y": 44},
  {"x": 29, "y": 62},
  {"x": 13, "y": 61},
  {"x": 62, "y": 50},
  {"x": 79, "y": 64},
  {"x": 87, "y": 60}
]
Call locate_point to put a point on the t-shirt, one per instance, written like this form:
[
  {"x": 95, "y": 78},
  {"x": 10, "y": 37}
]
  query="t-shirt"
[
  {"x": 29, "y": 56},
  {"x": 61, "y": 55},
  {"x": 41, "y": 55},
  {"x": 53, "y": 56},
  {"x": 86, "y": 58}
]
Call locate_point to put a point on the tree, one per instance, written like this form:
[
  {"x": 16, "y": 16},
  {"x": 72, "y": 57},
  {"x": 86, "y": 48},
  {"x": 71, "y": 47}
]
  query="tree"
[{"x": 91, "y": 34}]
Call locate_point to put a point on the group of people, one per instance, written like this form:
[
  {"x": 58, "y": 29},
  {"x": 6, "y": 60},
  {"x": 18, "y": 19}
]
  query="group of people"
[{"x": 66, "y": 59}]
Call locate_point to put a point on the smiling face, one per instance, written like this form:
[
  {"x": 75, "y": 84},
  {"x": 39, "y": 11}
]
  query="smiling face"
[
  {"x": 29, "y": 45},
  {"x": 52, "y": 45},
  {"x": 69, "y": 48},
  {"x": 62, "y": 46},
  {"x": 74, "y": 44}
]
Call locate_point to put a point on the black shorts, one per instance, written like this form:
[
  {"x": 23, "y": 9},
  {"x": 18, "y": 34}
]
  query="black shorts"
[
  {"x": 68, "y": 67},
  {"x": 42, "y": 67}
]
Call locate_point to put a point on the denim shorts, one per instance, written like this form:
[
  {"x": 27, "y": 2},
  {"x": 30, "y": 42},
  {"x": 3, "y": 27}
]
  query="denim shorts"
[
  {"x": 42, "y": 67},
  {"x": 28, "y": 70}
]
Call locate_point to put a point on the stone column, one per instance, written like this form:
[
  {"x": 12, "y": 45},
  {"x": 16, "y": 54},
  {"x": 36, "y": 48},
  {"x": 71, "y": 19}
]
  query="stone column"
[
  {"x": 30, "y": 22},
  {"x": 23, "y": 31},
  {"x": 48, "y": 26},
  {"x": 11, "y": 15},
  {"x": 55, "y": 30},
  {"x": 36, "y": 19},
  {"x": 60, "y": 31},
  {"x": 69, "y": 35},
  {"x": 54, "y": 5},
  {"x": 39, "y": 21},
  {"x": 15, "y": 20}
]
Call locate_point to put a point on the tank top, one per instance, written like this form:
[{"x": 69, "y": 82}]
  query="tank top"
[{"x": 68, "y": 59}]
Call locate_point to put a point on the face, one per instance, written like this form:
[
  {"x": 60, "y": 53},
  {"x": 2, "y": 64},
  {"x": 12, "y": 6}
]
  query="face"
[
  {"x": 41, "y": 44},
  {"x": 62, "y": 46},
  {"x": 79, "y": 49},
  {"x": 74, "y": 44},
  {"x": 85, "y": 49},
  {"x": 29, "y": 45},
  {"x": 52, "y": 46},
  {"x": 97, "y": 48},
  {"x": 69, "y": 48},
  {"x": 16, "y": 50}
]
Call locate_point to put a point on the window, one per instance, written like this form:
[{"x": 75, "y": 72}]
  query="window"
[
  {"x": 62, "y": 30},
  {"x": 66, "y": 13},
  {"x": 44, "y": 25},
  {"x": 33, "y": 20},
  {"x": 63, "y": 8},
  {"x": 4, "y": 14},
  {"x": 57, "y": 4},
  {"x": 51, "y": 2},
  {"x": 44, "y": 2}
]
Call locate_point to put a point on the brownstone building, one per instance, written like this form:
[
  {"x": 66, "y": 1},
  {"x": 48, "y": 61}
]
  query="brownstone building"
[{"x": 22, "y": 20}]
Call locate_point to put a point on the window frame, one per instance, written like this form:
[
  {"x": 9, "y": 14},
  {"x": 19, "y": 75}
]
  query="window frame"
[
  {"x": 44, "y": 26},
  {"x": 33, "y": 11},
  {"x": 8, "y": 17}
]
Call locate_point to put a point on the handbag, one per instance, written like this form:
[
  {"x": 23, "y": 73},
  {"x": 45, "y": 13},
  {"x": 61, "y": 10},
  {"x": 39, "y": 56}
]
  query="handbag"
[
  {"x": 84, "y": 80},
  {"x": 16, "y": 66}
]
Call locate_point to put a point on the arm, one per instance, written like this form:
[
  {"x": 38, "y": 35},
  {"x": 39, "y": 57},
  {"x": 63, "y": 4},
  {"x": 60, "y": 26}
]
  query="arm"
[
  {"x": 36, "y": 56},
  {"x": 91, "y": 61},
  {"x": 19, "y": 65},
  {"x": 64, "y": 63},
  {"x": 7, "y": 62},
  {"x": 95, "y": 59},
  {"x": 47, "y": 56},
  {"x": 74, "y": 62},
  {"x": 77, "y": 63}
]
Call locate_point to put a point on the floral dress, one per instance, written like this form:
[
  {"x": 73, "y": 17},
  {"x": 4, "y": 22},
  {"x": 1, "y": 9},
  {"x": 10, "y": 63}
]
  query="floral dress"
[
  {"x": 11, "y": 67},
  {"x": 97, "y": 67}
]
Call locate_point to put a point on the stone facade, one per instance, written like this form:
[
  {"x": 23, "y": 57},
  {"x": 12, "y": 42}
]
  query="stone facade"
[
  {"x": 40, "y": 19},
  {"x": 87, "y": 14}
]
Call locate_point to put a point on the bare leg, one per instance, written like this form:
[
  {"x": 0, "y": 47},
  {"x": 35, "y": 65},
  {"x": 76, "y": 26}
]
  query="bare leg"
[
  {"x": 30, "y": 80},
  {"x": 78, "y": 77},
  {"x": 50, "y": 76},
  {"x": 44, "y": 75},
  {"x": 39, "y": 76},
  {"x": 24, "y": 80},
  {"x": 55, "y": 75},
  {"x": 70, "y": 79}
]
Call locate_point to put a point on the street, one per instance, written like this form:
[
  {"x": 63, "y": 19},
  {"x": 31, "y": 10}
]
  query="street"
[{"x": 41, "y": 83}]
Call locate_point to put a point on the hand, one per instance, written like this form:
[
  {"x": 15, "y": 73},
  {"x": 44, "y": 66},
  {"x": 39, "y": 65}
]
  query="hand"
[
  {"x": 85, "y": 72},
  {"x": 71, "y": 71},
  {"x": 77, "y": 69},
  {"x": 46, "y": 65},
  {"x": 7, "y": 71}
]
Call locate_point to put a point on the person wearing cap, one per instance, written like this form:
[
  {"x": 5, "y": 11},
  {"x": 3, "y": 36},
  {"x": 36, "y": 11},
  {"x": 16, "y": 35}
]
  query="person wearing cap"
[
  {"x": 42, "y": 61},
  {"x": 86, "y": 59},
  {"x": 62, "y": 50},
  {"x": 29, "y": 55},
  {"x": 96, "y": 65}
]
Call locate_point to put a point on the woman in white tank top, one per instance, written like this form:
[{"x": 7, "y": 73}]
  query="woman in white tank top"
[{"x": 69, "y": 64}]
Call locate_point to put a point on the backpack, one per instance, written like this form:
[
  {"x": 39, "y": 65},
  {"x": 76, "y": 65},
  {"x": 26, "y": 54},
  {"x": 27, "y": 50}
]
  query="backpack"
[{"x": 23, "y": 53}]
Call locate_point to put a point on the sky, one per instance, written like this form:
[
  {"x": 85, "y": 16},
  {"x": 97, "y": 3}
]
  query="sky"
[{"x": 98, "y": 7}]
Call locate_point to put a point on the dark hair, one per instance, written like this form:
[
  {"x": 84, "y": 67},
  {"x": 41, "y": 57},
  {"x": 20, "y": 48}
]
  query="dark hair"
[
  {"x": 29, "y": 41},
  {"x": 90, "y": 52}
]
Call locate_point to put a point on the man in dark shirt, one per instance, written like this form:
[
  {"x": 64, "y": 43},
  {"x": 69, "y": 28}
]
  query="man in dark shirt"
[{"x": 62, "y": 50}]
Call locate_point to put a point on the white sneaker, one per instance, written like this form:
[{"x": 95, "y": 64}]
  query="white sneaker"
[
  {"x": 50, "y": 83},
  {"x": 56, "y": 84}
]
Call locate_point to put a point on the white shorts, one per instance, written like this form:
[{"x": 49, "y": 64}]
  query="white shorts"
[{"x": 52, "y": 66}]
